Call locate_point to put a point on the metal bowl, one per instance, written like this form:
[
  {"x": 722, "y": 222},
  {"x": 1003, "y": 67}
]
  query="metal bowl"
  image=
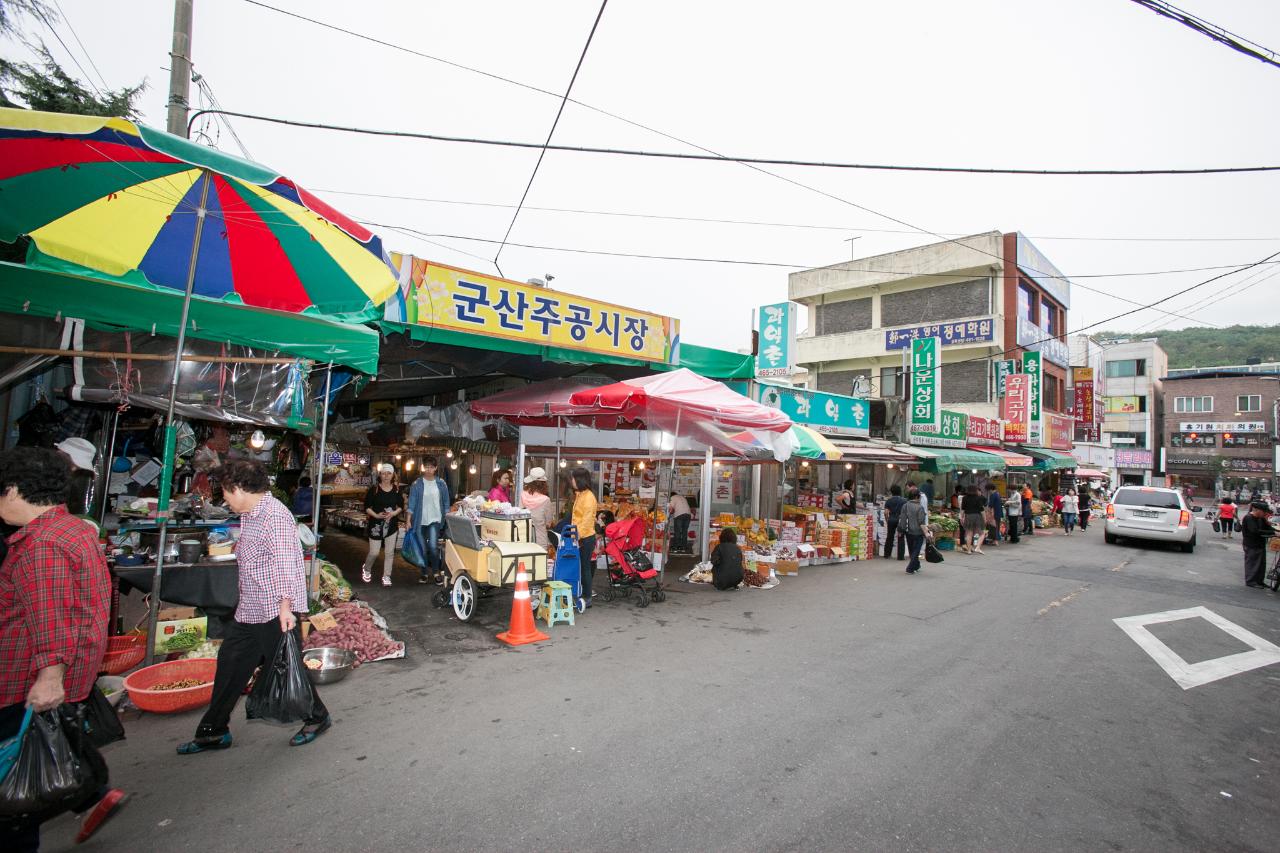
[{"x": 336, "y": 664}]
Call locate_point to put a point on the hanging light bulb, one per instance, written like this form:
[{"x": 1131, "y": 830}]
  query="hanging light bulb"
[
  {"x": 463, "y": 452},
  {"x": 408, "y": 466},
  {"x": 975, "y": 470},
  {"x": 804, "y": 464},
  {"x": 641, "y": 466},
  {"x": 471, "y": 470},
  {"x": 257, "y": 439},
  {"x": 579, "y": 461},
  {"x": 397, "y": 457},
  {"x": 448, "y": 454},
  {"x": 564, "y": 464},
  {"x": 848, "y": 466},
  {"x": 717, "y": 463},
  {"x": 454, "y": 465}
]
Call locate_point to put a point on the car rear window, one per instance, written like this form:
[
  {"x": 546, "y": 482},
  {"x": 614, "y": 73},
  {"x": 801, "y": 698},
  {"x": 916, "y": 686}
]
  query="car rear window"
[{"x": 1142, "y": 497}]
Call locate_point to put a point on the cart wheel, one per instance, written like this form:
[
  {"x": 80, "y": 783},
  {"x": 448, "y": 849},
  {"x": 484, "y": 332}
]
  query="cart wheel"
[
  {"x": 441, "y": 598},
  {"x": 642, "y": 600},
  {"x": 582, "y": 604},
  {"x": 607, "y": 593},
  {"x": 658, "y": 595},
  {"x": 464, "y": 597},
  {"x": 626, "y": 592}
]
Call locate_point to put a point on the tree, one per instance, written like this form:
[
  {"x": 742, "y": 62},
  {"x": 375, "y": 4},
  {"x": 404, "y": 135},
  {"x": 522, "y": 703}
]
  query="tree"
[{"x": 44, "y": 85}]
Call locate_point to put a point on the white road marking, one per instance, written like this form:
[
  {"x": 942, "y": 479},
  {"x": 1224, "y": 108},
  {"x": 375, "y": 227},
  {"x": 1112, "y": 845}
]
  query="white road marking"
[{"x": 1188, "y": 675}]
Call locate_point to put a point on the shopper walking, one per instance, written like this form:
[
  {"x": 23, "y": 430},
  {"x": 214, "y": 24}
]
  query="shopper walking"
[
  {"x": 678, "y": 515},
  {"x": 55, "y": 597},
  {"x": 892, "y": 521},
  {"x": 1027, "y": 527},
  {"x": 428, "y": 503},
  {"x": 1255, "y": 531},
  {"x": 1085, "y": 508},
  {"x": 1227, "y": 516},
  {"x": 535, "y": 499},
  {"x": 1013, "y": 506},
  {"x": 995, "y": 513},
  {"x": 974, "y": 526},
  {"x": 914, "y": 521},
  {"x": 273, "y": 590},
  {"x": 383, "y": 506},
  {"x": 1070, "y": 511},
  {"x": 584, "y": 518}
]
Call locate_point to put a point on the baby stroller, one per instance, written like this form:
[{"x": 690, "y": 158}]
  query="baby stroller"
[
  {"x": 628, "y": 565},
  {"x": 568, "y": 567}
]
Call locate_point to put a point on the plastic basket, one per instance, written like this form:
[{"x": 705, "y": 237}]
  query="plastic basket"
[
  {"x": 172, "y": 701},
  {"x": 945, "y": 544},
  {"x": 124, "y": 653}
]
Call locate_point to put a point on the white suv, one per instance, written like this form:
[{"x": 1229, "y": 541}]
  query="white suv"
[{"x": 1149, "y": 512}]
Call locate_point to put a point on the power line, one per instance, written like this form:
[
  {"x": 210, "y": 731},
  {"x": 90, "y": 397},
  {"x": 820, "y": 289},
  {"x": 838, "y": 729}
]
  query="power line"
[
  {"x": 1213, "y": 31},
  {"x": 76, "y": 36},
  {"x": 559, "y": 112},
  {"x": 724, "y": 158},
  {"x": 43, "y": 17}
]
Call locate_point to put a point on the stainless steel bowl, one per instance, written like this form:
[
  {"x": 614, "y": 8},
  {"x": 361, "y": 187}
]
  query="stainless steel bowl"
[{"x": 335, "y": 664}]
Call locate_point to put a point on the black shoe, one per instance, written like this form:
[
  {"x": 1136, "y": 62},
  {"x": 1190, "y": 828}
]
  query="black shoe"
[{"x": 1257, "y": 585}]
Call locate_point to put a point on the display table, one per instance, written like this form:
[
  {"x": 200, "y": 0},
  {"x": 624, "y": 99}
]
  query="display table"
[{"x": 212, "y": 586}]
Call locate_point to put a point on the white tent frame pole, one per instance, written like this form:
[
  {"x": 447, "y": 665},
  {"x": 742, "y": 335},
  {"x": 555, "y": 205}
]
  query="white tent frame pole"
[
  {"x": 517, "y": 486},
  {"x": 317, "y": 464},
  {"x": 704, "y": 514}
]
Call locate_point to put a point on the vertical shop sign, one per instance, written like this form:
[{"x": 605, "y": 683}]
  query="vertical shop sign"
[
  {"x": 776, "y": 326},
  {"x": 1033, "y": 367},
  {"x": 1004, "y": 367},
  {"x": 1083, "y": 381},
  {"x": 926, "y": 383},
  {"x": 1015, "y": 408}
]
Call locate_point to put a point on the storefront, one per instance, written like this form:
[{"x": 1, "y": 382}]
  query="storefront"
[{"x": 1133, "y": 468}]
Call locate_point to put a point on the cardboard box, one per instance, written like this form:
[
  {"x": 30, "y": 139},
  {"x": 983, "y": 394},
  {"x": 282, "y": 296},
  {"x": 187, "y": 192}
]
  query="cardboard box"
[
  {"x": 180, "y": 635},
  {"x": 172, "y": 614},
  {"x": 323, "y": 621},
  {"x": 787, "y": 567}
]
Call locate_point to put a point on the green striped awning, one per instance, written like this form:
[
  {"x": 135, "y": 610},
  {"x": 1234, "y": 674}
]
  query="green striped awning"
[
  {"x": 1050, "y": 460},
  {"x": 940, "y": 460}
]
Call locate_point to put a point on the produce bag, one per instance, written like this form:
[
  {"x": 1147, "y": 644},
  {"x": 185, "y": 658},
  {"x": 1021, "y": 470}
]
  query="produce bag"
[
  {"x": 411, "y": 547},
  {"x": 1217, "y": 526},
  {"x": 56, "y": 768},
  {"x": 931, "y": 553},
  {"x": 282, "y": 693},
  {"x": 101, "y": 724},
  {"x": 10, "y": 747}
]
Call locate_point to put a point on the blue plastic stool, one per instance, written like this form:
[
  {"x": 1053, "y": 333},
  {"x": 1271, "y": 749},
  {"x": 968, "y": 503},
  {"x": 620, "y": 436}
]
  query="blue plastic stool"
[{"x": 556, "y": 604}]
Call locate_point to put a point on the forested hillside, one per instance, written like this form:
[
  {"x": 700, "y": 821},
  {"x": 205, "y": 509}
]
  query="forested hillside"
[{"x": 1204, "y": 347}]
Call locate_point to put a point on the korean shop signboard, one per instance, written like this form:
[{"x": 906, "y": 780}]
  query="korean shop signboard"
[
  {"x": 951, "y": 334},
  {"x": 776, "y": 326},
  {"x": 952, "y": 431},
  {"x": 926, "y": 384},
  {"x": 1033, "y": 367},
  {"x": 460, "y": 300},
  {"x": 828, "y": 413},
  {"x": 1004, "y": 367},
  {"x": 987, "y": 431},
  {"x": 1082, "y": 378},
  {"x": 1058, "y": 431},
  {"x": 1015, "y": 408}
]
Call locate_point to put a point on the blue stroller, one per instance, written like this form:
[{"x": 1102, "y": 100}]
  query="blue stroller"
[{"x": 568, "y": 566}]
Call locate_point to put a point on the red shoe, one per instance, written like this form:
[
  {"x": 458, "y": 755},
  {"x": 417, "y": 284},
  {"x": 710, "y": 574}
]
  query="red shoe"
[{"x": 101, "y": 813}]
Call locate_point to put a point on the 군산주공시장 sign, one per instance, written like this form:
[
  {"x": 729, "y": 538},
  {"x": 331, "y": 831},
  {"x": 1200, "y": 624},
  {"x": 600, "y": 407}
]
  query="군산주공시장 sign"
[
  {"x": 464, "y": 301},
  {"x": 776, "y": 326},
  {"x": 952, "y": 431},
  {"x": 1033, "y": 367},
  {"x": 829, "y": 413},
  {"x": 926, "y": 383},
  {"x": 951, "y": 334},
  {"x": 1015, "y": 408}
]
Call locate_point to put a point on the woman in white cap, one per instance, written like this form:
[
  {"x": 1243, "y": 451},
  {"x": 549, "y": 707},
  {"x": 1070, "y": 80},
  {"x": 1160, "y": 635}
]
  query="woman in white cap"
[
  {"x": 535, "y": 499},
  {"x": 383, "y": 504}
]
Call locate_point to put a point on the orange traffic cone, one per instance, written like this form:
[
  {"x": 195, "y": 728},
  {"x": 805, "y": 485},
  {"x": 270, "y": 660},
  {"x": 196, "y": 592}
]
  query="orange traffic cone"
[{"x": 522, "y": 629}]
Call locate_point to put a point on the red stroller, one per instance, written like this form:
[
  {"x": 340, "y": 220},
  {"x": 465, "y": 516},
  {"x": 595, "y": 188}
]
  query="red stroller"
[{"x": 629, "y": 566}]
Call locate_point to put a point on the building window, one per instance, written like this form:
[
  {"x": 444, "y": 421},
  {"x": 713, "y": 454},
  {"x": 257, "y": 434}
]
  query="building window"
[
  {"x": 1126, "y": 405},
  {"x": 1127, "y": 367},
  {"x": 891, "y": 382},
  {"x": 1049, "y": 319},
  {"x": 1191, "y": 404},
  {"x": 1249, "y": 403},
  {"x": 1129, "y": 439},
  {"x": 1026, "y": 302}
]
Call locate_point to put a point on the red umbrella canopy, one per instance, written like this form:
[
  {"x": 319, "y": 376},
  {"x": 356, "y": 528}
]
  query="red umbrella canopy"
[
  {"x": 537, "y": 404},
  {"x": 657, "y": 400}
]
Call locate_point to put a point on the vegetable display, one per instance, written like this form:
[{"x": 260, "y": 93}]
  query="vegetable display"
[
  {"x": 944, "y": 523},
  {"x": 358, "y": 632},
  {"x": 182, "y": 684}
]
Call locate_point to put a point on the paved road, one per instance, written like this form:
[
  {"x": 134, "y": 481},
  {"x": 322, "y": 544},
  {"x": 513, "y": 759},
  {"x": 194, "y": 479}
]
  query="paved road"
[{"x": 990, "y": 703}]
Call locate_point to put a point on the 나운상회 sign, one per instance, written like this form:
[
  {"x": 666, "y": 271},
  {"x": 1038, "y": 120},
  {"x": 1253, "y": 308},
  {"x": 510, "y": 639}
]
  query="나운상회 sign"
[{"x": 926, "y": 383}]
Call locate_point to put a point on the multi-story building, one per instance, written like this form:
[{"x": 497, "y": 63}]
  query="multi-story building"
[
  {"x": 1086, "y": 393},
  {"x": 1220, "y": 430},
  {"x": 989, "y": 297},
  {"x": 1133, "y": 373}
]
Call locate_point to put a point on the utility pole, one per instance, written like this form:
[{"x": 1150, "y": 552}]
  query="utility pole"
[{"x": 180, "y": 68}]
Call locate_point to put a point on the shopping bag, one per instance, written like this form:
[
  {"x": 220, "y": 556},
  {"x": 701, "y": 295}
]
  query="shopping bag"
[
  {"x": 10, "y": 747},
  {"x": 101, "y": 723},
  {"x": 1237, "y": 526},
  {"x": 54, "y": 771},
  {"x": 411, "y": 547},
  {"x": 931, "y": 553},
  {"x": 1217, "y": 526},
  {"x": 283, "y": 692}
]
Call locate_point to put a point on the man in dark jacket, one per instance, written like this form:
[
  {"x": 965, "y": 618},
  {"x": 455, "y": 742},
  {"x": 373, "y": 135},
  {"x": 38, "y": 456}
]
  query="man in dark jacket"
[
  {"x": 995, "y": 503},
  {"x": 892, "y": 511},
  {"x": 1255, "y": 530}
]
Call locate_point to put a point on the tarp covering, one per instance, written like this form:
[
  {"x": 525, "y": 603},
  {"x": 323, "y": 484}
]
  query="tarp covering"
[
  {"x": 1011, "y": 459},
  {"x": 106, "y": 304},
  {"x": 940, "y": 460},
  {"x": 853, "y": 450}
]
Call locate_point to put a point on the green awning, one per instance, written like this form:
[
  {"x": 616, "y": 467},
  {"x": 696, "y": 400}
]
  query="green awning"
[
  {"x": 1051, "y": 460},
  {"x": 940, "y": 460},
  {"x": 104, "y": 303},
  {"x": 716, "y": 363}
]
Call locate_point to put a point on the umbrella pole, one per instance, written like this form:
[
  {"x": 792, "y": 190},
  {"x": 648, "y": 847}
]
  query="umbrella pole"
[
  {"x": 519, "y": 478},
  {"x": 704, "y": 519},
  {"x": 107, "y": 459},
  {"x": 170, "y": 429},
  {"x": 559, "y": 478},
  {"x": 317, "y": 464},
  {"x": 667, "y": 544}
]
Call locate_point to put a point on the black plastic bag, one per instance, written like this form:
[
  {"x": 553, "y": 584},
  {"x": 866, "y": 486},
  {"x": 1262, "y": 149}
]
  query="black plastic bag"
[
  {"x": 283, "y": 692},
  {"x": 101, "y": 722},
  {"x": 56, "y": 770},
  {"x": 1217, "y": 526},
  {"x": 931, "y": 553}
]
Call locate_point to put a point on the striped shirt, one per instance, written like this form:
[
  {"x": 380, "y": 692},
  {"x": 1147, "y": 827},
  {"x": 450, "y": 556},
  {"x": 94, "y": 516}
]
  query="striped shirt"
[{"x": 270, "y": 559}]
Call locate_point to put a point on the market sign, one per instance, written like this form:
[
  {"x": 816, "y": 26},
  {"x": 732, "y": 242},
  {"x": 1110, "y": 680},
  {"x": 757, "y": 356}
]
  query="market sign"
[
  {"x": 474, "y": 303},
  {"x": 952, "y": 431},
  {"x": 1178, "y": 461},
  {"x": 1033, "y": 367},
  {"x": 987, "y": 431},
  {"x": 951, "y": 334},
  {"x": 828, "y": 413},
  {"x": 1004, "y": 367},
  {"x": 1222, "y": 426},
  {"x": 1015, "y": 408},
  {"x": 776, "y": 326},
  {"x": 1036, "y": 339},
  {"x": 1058, "y": 431},
  {"x": 926, "y": 384},
  {"x": 1252, "y": 466},
  {"x": 1136, "y": 459},
  {"x": 1082, "y": 380}
]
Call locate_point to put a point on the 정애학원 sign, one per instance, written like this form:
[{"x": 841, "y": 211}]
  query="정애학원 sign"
[
  {"x": 959, "y": 332},
  {"x": 776, "y": 326},
  {"x": 464, "y": 301},
  {"x": 926, "y": 383}
]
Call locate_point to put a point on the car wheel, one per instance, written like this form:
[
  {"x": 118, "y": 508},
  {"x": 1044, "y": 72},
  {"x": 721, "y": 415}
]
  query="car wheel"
[
  {"x": 1110, "y": 538},
  {"x": 1189, "y": 547}
]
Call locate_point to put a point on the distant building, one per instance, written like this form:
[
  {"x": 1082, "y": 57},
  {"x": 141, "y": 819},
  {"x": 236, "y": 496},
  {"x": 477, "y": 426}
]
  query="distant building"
[
  {"x": 1086, "y": 397},
  {"x": 1133, "y": 374}
]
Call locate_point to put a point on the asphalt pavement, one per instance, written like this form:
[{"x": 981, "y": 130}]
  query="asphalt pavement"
[{"x": 988, "y": 703}]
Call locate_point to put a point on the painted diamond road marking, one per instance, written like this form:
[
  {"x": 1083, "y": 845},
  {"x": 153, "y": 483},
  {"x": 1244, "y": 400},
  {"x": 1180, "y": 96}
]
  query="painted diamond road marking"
[{"x": 1189, "y": 675}]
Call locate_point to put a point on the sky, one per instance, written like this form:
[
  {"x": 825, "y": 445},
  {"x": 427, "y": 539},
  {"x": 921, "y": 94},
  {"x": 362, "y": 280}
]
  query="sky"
[{"x": 1090, "y": 84}]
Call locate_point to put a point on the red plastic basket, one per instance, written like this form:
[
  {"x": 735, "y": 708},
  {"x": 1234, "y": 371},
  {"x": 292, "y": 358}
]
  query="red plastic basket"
[
  {"x": 172, "y": 701},
  {"x": 124, "y": 653}
]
